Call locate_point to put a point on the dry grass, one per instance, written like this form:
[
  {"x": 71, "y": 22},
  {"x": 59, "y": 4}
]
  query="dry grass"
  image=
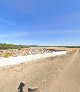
[{"x": 7, "y": 55}]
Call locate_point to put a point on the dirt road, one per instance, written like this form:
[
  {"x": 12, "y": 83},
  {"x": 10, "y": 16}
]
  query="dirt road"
[
  {"x": 47, "y": 75},
  {"x": 69, "y": 80}
]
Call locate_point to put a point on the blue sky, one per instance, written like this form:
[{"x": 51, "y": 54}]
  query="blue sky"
[{"x": 40, "y": 22}]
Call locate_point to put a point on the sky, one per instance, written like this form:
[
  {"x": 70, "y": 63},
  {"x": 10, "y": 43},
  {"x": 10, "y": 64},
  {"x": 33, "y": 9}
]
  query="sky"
[{"x": 40, "y": 22}]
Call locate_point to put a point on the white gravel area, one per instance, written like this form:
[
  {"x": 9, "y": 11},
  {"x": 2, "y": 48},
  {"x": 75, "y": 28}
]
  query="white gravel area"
[{"x": 29, "y": 58}]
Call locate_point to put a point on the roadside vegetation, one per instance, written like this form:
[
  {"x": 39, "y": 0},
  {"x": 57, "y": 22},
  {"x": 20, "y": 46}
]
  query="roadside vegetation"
[
  {"x": 12, "y": 46},
  {"x": 6, "y": 55}
]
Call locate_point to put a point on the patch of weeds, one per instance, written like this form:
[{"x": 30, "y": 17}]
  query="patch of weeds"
[{"x": 7, "y": 55}]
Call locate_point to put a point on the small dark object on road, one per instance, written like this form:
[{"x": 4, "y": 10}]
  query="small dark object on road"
[
  {"x": 32, "y": 89},
  {"x": 20, "y": 88}
]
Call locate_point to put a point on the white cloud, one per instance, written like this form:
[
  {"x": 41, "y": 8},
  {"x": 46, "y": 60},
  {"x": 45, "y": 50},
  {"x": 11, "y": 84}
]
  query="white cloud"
[
  {"x": 8, "y": 22},
  {"x": 13, "y": 35},
  {"x": 24, "y": 33},
  {"x": 55, "y": 32}
]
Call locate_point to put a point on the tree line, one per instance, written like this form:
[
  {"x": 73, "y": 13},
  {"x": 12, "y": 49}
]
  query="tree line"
[{"x": 12, "y": 46}]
